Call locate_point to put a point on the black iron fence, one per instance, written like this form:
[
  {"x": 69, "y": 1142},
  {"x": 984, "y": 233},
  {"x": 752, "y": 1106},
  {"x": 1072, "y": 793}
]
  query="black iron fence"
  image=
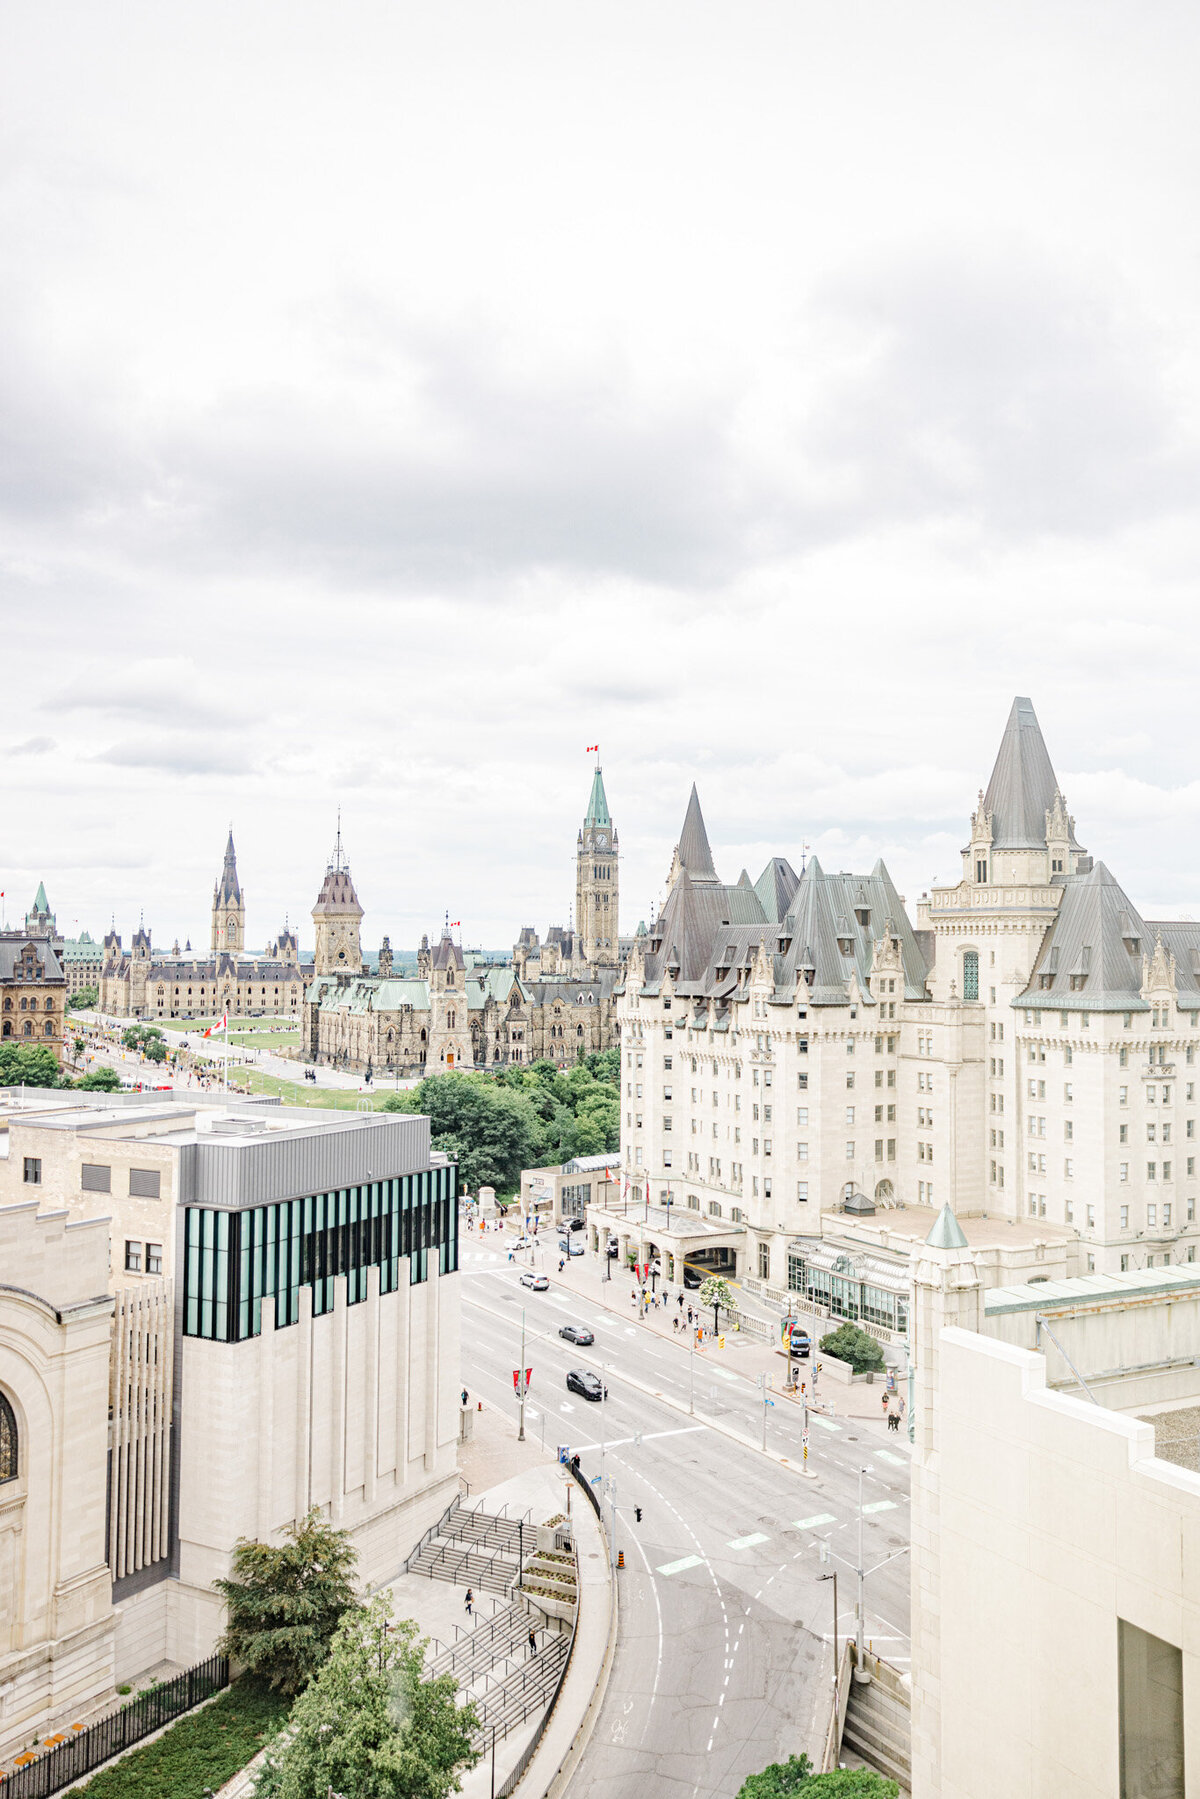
[
  {"x": 141, "y": 1717},
  {"x": 586, "y": 1484}
]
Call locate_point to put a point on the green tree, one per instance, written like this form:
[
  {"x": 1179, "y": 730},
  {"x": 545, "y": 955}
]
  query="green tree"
[
  {"x": 795, "y": 1776},
  {"x": 716, "y": 1293},
  {"x": 34, "y": 1066},
  {"x": 84, "y": 1000},
  {"x": 285, "y": 1602},
  {"x": 155, "y": 1049},
  {"x": 131, "y": 1037},
  {"x": 100, "y": 1080},
  {"x": 858, "y": 1347},
  {"x": 369, "y": 1724}
]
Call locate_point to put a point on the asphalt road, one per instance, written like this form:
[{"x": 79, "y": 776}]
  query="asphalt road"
[{"x": 724, "y": 1659}]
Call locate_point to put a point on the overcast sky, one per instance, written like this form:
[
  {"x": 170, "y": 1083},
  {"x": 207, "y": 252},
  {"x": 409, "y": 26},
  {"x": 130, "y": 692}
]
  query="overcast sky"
[{"x": 395, "y": 399}]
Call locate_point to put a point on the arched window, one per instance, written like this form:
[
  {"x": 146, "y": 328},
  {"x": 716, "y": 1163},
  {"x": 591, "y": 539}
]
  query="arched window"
[
  {"x": 970, "y": 974},
  {"x": 8, "y": 1441},
  {"x": 28, "y": 1027},
  {"x": 49, "y": 1027}
]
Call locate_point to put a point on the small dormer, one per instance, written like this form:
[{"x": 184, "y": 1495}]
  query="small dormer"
[
  {"x": 845, "y": 937},
  {"x": 1048, "y": 970},
  {"x": 1129, "y": 935},
  {"x": 1081, "y": 968}
]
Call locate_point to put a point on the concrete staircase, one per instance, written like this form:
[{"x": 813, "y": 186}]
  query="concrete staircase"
[{"x": 878, "y": 1725}]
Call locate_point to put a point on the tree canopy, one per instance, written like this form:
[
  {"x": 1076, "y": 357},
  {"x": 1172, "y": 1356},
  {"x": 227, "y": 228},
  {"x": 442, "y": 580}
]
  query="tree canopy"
[
  {"x": 494, "y": 1125},
  {"x": 28, "y": 1067},
  {"x": 369, "y": 1724},
  {"x": 849, "y": 1344},
  {"x": 795, "y": 1776},
  {"x": 285, "y": 1601}
]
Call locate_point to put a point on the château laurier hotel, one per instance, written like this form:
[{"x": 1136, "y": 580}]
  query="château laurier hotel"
[{"x": 1023, "y": 1046}]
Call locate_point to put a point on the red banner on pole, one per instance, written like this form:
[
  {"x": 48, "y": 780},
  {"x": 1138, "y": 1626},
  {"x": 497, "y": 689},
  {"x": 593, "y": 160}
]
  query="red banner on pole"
[{"x": 517, "y": 1379}]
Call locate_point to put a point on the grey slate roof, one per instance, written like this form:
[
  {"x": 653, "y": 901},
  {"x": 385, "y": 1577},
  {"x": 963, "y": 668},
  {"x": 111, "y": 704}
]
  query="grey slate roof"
[
  {"x": 776, "y": 886},
  {"x": 1100, "y": 937},
  {"x": 708, "y": 934},
  {"x": 13, "y": 949},
  {"x": 694, "y": 853},
  {"x": 337, "y": 892},
  {"x": 1023, "y": 784},
  {"x": 228, "y": 887}
]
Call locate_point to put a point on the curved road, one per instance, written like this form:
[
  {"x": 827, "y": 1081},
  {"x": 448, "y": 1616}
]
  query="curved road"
[{"x": 723, "y": 1661}]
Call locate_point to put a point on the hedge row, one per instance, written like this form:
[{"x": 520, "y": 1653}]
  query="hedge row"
[{"x": 202, "y": 1750}]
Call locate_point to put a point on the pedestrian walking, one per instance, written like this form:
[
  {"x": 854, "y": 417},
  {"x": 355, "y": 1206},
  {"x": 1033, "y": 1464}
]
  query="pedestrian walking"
[
  {"x": 470, "y": 1601},
  {"x": 681, "y": 1301},
  {"x": 689, "y": 1314},
  {"x": 466, "y": 1397},
  {"x": 885, "y": 1405},
  {"x": 894, "y": 1421},
  {"x": 532, "y": 1642},
  {"x": 561, "y": 1264}
]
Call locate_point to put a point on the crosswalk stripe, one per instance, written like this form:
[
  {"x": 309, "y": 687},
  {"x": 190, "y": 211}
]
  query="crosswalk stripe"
[
  {"x": 687, "y": 1561},
  {"x": 748, "y": 1542},
  {"x": 817, "y": 1518},
  {"x": 880, "y": 1505}
]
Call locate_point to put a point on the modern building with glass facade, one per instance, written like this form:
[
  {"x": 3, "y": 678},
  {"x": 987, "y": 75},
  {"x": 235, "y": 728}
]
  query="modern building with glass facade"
[{"x": 285, "y": 1333}]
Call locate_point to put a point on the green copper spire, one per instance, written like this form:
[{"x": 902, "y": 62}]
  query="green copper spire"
[
  {"x": 597, "y": 812},
  {"x": 41, "y": 903},
  {"x": 947, "y": 1232}
]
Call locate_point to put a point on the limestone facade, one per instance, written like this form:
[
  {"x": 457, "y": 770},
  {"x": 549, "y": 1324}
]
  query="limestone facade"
[
  {"x": 1055, "y": 1505},
  {"x": 33, "y": 994},
  {"x": 56, "y": 1615},
  {"x": 1024, "y": 1046},
  {"x": 555, "y": 1001},
  {"x": 273, "y": 1326},
  {"x": 141, "y": 983}
]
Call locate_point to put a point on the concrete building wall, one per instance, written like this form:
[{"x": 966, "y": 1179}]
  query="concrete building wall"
[
  {"x": 1054, "y": 1521},
  {"x": 56, "y": 1621}
]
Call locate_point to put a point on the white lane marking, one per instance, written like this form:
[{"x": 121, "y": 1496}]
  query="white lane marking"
[
  {"x": 879, "y": 1505},
  {"x": 825, "y": 1423},
  {"x": 564, "y": 1407},
  {"x": 817, "y": 1518},
  {"x": 885, "y": 1455},
  {"x": 687, "y": 1561},
  {"x": 726, "y": 1375},
  {"x": 749, "y": 1542}
]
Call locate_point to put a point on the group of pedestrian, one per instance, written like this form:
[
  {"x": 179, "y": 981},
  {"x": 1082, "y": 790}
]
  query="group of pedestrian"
[{"x": 893, "y": 1410}]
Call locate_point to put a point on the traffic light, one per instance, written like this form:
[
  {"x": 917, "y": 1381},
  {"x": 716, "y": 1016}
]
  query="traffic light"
[{"x": 637, "y": 1513}]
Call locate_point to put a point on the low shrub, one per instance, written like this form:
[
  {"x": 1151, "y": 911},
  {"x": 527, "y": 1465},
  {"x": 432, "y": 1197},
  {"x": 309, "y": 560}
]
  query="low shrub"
[
  {"x": 859, "y": 1348},
  {"x": 204, "y": 1749}
]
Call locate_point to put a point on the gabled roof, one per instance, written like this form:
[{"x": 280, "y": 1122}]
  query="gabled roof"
[
  {"x": 597, "y": 812},
  {"x": 694, "y": 854},
  {"x": 1023, "y": 784},
  {"x": 447, "y": 954},
  {"x": 776, "y": 886},
  {"x": 1099, "y": 938}
]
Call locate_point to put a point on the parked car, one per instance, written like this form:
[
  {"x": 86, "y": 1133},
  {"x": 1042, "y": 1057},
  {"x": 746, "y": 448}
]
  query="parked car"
[
  {"x": 691, "y": 1278},
  {"x": 614, "y": 1248},
  {"x": 577, "y": 1224},
  {"x": 523, "y": 1243},
  {"x": 586, "y": 1384},
  {"x": 570, "y": 1246},
  {"x": 576, "y": 1333},
  {"x": 538, "y": 1282},
  {"x": 800, "y": 1346}
]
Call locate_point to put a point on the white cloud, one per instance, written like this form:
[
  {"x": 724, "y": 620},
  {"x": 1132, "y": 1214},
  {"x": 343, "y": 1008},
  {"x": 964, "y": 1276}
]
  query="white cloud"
[{"x": 388, "y": 413}]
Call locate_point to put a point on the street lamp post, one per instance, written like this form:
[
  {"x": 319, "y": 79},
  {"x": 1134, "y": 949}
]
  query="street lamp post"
[
  {"x": 521, "y": 1380},
  {"x": 836, "y": 1665}
]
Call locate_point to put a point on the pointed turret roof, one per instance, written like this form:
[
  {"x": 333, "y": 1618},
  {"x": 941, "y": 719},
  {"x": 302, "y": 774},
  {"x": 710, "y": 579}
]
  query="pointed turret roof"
[
  {"x": 694, "y": 853},
  {"x": 947, "y": 1232},
  {"x": 228, "y": 887},
  {"x": 597, "y": 812},
  {"x": 1023, "y": 784},
  {"x": 40, "y": 902}
]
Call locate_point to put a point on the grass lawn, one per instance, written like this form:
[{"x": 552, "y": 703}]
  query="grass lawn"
[
  {"x": 204, "y": 1749},
  {"x": 235, "y": 1024},
  {"x": 258, "y": 1039},
  {"x": 302, "y": 1093}
]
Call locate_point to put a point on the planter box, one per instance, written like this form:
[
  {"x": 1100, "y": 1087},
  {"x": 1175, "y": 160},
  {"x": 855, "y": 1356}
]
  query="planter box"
[{"x": 561, "y": 1609}]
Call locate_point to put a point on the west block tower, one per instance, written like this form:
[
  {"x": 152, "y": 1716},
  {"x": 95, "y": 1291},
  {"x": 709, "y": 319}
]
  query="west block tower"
[
  {"x": 596, "y": 881},
  {"x": 228, "y": 907}
]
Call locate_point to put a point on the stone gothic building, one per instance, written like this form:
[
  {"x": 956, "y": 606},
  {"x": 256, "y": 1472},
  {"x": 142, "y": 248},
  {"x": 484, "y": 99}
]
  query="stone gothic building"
[
  {"x": 555, "y": 1002},
  {"x": 140, "y": 984},
  {"x": 1025, "y": 1047}
]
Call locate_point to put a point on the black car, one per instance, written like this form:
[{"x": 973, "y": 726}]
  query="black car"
[
  {"x": 614, "y": 1248},
  {"x": 576, "y": 1333},
  {"x": 576, "y": 1224},
  {"x": 586, "y": 1384},
  {"x": 691, "y": 1278}
]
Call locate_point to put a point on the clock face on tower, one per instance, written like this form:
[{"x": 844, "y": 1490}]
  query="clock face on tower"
[{"x": 602, "y": 840}]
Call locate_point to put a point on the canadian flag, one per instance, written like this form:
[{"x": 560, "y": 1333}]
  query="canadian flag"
[
  {"x": 591, "y": 747},
  {"x": 221, "y": 1025}
]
